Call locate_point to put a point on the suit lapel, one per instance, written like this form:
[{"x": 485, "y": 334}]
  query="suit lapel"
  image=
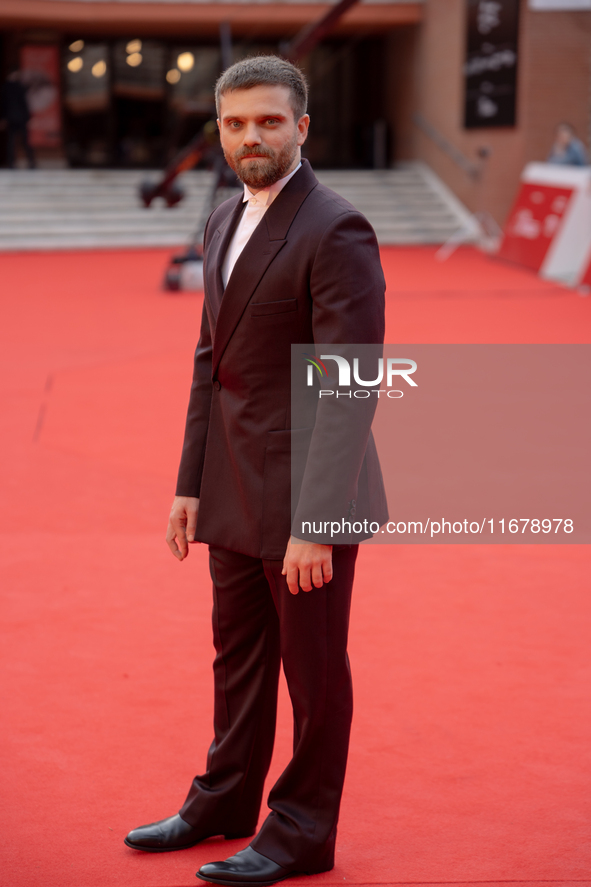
[
  {"x": 215, "y": 257},
  {"x": 268, "y": 238}
]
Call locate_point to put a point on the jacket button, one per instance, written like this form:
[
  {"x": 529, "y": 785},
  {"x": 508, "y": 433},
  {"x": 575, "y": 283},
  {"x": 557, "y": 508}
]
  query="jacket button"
[
  {"x": 217, "y": 385},
  {"x": 352, "y": 512}
]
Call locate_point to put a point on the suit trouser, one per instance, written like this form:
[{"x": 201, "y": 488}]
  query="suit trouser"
[{"x": 257, "y": 623}]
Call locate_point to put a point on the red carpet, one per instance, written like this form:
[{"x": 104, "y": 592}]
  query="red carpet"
[{"x": 470, "y": 751}]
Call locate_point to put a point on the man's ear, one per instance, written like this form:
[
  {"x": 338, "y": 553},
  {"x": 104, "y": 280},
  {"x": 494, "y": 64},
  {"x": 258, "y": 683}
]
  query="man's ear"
[
  {"x": 303, "y": 124},
  {"x": 219, "y": 124}
]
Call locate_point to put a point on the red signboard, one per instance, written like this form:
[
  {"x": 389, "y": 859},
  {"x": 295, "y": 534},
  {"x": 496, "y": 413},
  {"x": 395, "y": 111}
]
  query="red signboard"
[
  {"x": 533, "y": 223},
  {"x": 586, "y": 278},
  {"x": 40, "y": 68}
]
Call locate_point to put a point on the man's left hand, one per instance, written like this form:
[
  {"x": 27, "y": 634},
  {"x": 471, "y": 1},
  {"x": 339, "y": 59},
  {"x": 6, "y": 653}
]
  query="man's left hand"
[{"x": 306, "y": 564}]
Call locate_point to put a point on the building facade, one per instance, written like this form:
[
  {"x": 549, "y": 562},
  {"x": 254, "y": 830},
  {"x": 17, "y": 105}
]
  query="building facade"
[{"x": 474, "y": 88}]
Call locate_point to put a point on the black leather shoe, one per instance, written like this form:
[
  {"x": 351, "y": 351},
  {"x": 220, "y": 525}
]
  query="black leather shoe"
[
  {"x": 170, "y": 834},
  {"x": 246, "y": 867}
]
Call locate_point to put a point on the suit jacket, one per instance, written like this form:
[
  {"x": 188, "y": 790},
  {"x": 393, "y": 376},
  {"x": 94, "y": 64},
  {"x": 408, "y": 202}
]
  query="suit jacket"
[{"x": 310, "y": 273}]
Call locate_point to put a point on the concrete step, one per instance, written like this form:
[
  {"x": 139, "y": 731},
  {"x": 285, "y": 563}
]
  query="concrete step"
[
  {"x": 61, "y": 209},
  {"x": 30, "y": 214}
]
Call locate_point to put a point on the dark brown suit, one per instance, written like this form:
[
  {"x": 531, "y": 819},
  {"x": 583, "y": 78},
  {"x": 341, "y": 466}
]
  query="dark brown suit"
[{"x": 309, "y": 273}]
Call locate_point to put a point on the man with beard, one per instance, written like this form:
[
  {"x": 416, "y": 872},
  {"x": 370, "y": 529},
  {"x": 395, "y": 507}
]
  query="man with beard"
[{"x": 287, "y": 262}]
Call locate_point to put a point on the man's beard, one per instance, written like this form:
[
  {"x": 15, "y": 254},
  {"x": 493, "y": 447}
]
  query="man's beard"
[{"x": 272, "y": 166}]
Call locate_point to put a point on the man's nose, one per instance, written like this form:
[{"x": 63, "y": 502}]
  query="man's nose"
[{"x": 252, "y": 135}]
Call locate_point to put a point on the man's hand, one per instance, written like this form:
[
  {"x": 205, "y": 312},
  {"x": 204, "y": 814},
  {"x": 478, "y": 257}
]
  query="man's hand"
[
  {"x": 308, "y": 562},
  {"x": 182, "y": 525}
]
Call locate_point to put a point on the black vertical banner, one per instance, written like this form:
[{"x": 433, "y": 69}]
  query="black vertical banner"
[{"x": 490, "y": 69}]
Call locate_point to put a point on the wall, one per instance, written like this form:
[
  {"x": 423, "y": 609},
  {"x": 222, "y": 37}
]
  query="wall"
[
  {"x": 554, "y": 84},
  {"x": 557, "y": 47},
  {"x": 401, "y": 98}
]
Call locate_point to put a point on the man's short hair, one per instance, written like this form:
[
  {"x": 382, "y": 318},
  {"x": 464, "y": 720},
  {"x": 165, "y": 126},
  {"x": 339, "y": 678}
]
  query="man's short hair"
[{"x": 265, "y": 70}]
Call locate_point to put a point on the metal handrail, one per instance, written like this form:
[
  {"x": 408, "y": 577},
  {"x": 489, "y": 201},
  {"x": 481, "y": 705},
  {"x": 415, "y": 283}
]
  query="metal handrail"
[{"x": 468, "y": 166}]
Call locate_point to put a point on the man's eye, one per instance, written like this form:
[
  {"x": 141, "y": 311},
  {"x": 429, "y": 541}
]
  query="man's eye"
[{"x": 272, "y": 120}]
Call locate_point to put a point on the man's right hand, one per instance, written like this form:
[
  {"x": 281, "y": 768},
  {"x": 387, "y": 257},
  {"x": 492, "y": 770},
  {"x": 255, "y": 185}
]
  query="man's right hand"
[{"x": 182, "y": 525}]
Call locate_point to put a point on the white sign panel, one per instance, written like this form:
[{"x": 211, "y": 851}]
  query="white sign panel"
[{"x": 553, "y": 5}]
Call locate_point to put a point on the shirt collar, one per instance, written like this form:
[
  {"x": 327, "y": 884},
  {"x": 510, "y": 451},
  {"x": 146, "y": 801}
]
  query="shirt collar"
[{"x": 268, "y": 195}]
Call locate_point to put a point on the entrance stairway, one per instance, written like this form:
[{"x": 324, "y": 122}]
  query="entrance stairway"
[{"x": 65, "y": 209}]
